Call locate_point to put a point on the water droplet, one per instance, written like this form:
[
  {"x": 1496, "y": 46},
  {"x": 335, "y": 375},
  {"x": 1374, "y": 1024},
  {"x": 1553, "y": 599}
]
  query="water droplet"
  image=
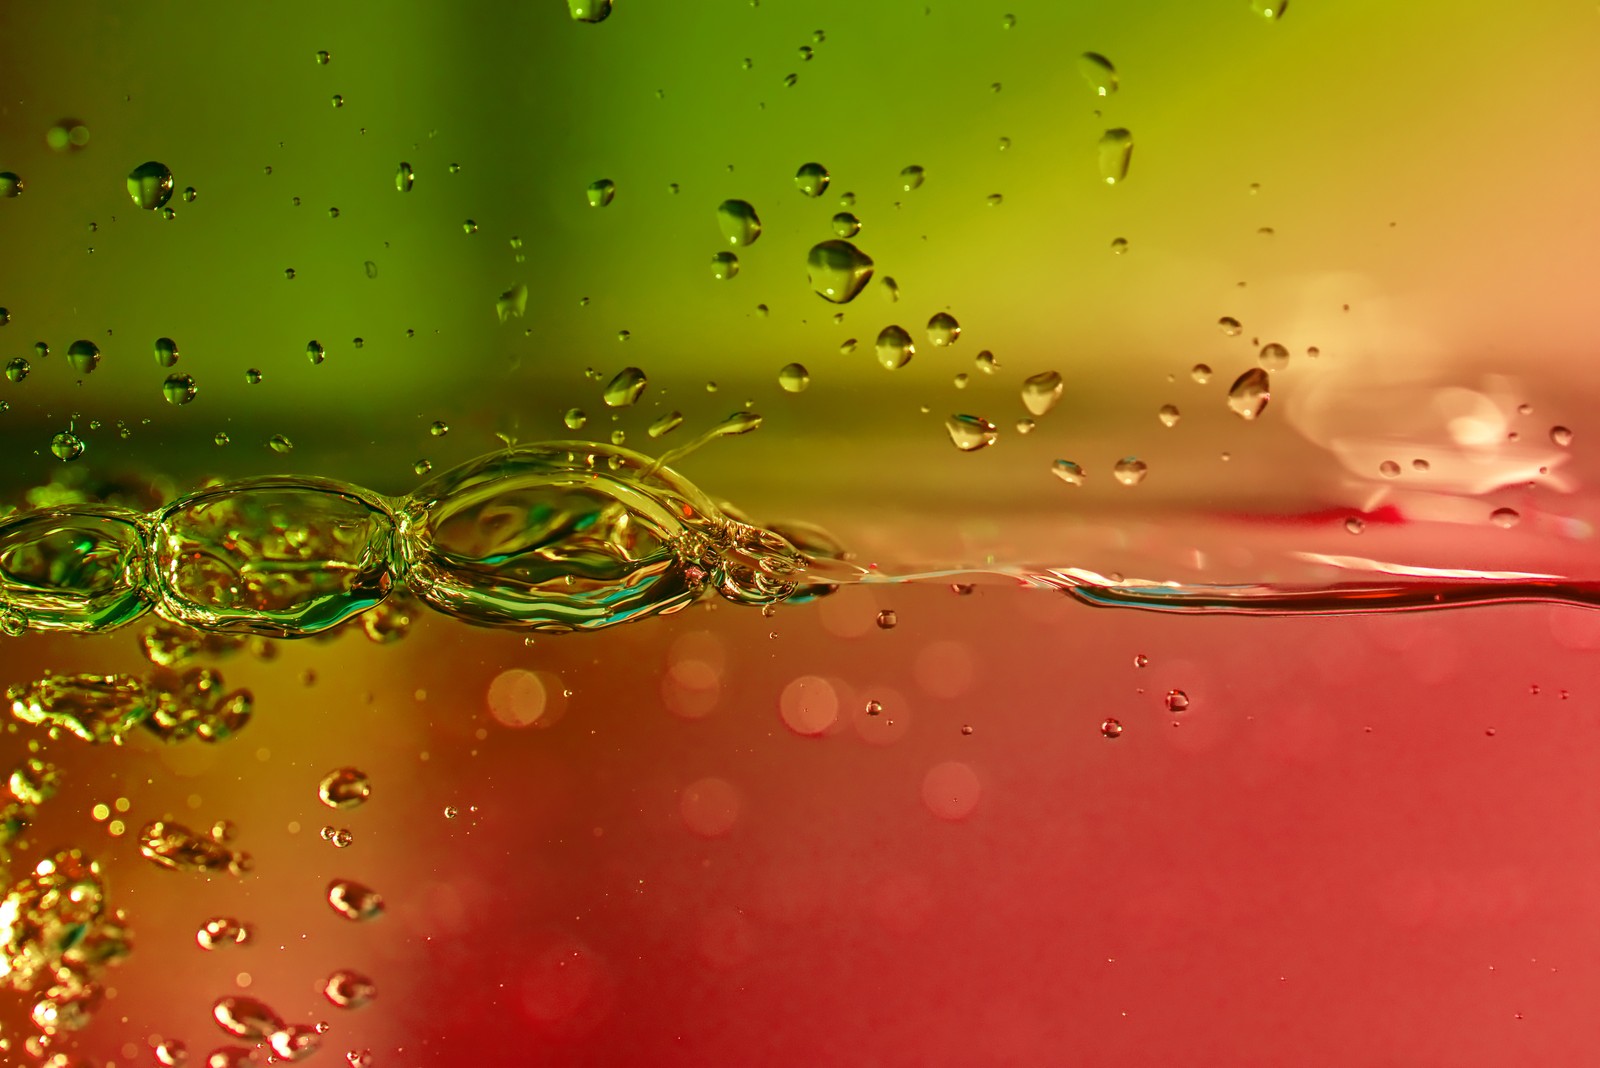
[
  {"x": 1119, "y": 245},
  {"x": 253, "y": 376},
  {"x": 40, "y": 350},
  {"x": 404, "y": 179},
  {"x": 288, "y": 273},
  {"x": 1560, "y": 435},
  {"x": 805, "y": 53},
  {"x": 789, "y": 80},
  {"x": 601, "y": 192},
  {"x": 1169, "y": 415},
  {"x": 1249, "y": 394},
  {"x": 1005, "y": 143},
  {"x": 338, "y": 837},
  {"x": 887, "y": 619},
  {"x": 17, "y": 368},
  {"x": 628, "y": 385},
  {"x": 323, "y": 57},
  {"x": 1111, "y": 727},
  {"x": 1201, "y": 373},
  {"x": 1130, "y": 470},
  {"x": 911, "y": 177},
  {"x": 295, "y": 1042},
  {"x": 894, "y": 347},
  {"x": 943, "y": 330},
  {"x": 838, "y": 271},
  {"x": 344, "y": 788},
  {"x": 150, "y": 185},
  {"x": 1115, "y": 153},
  {"x": 960, "y": 381},
  {"x": 874, "y": 708},
  {"x": 1420, "y": 465},
  {"x": 970, "y": 433},
  {"x": 794, "y": 378},
  {"x": 348, "y": 989},
  {"x": 354, "y": 901},
  {"x": 166, "y": 351},
  {"x": 221, "y": 931},
  {"x": 246, "y": 1017},
  {"x": 1068, "y": 472},
  {"x": 846, "y": 225},
  {"x": 421, "y": 467},
  {"x": 724, "y": 265},
  {"x": 1008, "y": 22},
  {"x": 179, "y": 389},
  {"x": 738, "y": 222},
  {"x": 10, "y": 184},
  {"x": 67, "y": 445},
  {"x": 575, "y": 418},
  {"x": 1098, "y": 72},
  {"x": 1505, "y": 518},
  {"x": 219, "y": 438},
  {"x": 1177, "y": 701},
  {"x": 83, "y": 356},
  {"x": 1389, "y": 469},
  {"x": 337, "y": 100},
  {"x": 589, "y": 10},
  {"x": 1229, "y": 325},
  {"x": 1025, "y": 426},
  {"x": 1269, "y": 9},
  {"x": 315, "y": 352},
  {"x": 1041, "y": 392},
  {"x": 1273, "y": 356},
  {"x": 1355, "y": 524},
  {"x": 450, "y": 811},
  {"x": 986, "y": 362},
  {"x": 665, "y": 424},
  {"x": 811, "y": 179},
  {"x": 280, "y": 443},
  {"x": 175, "y": 847}
]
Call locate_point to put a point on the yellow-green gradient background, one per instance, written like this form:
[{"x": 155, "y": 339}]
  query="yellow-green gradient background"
[{"x": 1425, "y": 164}]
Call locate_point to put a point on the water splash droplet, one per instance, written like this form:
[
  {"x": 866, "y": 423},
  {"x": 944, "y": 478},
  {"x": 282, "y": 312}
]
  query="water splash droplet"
[
  {"x": 794, "y": 378},
  {"x": 150, "y": 185},
  {"x": 11, "y": 184},
  {"x": 1560, "y": 435},
  {"x": 970, "y": 433},
  {"x": 575, "y": 418},
  {"x": 943, "y": 330},
  {"x": 1111, "y": 727},
  {"x": 1201, "y": 373},
  {"x": 349, "y": 989},
  {"x": 1273, "y": 357},
  {"x": 1389, "y": 469},
  {"x": 1098, "y": 72},
  {"x": 1042, "y": 392},
  {"x": 1177, "y": 701},
  {"x": 166, "y": 351},
  {"x": 888, "y": 619},
  {"x": 601, "y": 192},
  {"x": 246, "y": 1017},
  {"x": 738, "y": 222},
  {"x": 626, "y": 387},
  {"x": 67, "y": 445},
  {"x": 404, "y": 179},
  {"x": 179, "y": 389},
  {"x": 1169, "y": 415},
  {"x": 354, "y": 901},
  {"x": 911, "y": 177},
  {"x": 1249, "y": 394},
  {"x": 846, "y": 224},
  {"x": 344, "y": 788},
  {"x": 1130, "y": 470},
  {"x": 1115, "y": 153},
  {"x": 222, "y": 931},
  {"x": 812, "y": 179},
  {"x": 1505, "y": 518},
  {"x": 724, "y": 265},
  {"x": 589, "y": 10},
  {"x": 1229, "y": 325},
  {"x": 894, "y": 347},
  {"x": 17, "y": 368},
  {"x": 838, "y": 271},
  {"x": 1068, "y": 472},
  {"x": 665, "y": 424},
  {"x": 83, "y": 356}
]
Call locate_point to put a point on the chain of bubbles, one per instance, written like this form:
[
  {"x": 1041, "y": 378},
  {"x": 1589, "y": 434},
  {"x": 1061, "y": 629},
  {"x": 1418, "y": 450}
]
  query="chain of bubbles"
[{"x": 550, "y": 537}]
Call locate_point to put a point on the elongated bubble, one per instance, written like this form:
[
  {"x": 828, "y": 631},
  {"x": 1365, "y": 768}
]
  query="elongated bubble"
[{"x": 76, "y": 569}]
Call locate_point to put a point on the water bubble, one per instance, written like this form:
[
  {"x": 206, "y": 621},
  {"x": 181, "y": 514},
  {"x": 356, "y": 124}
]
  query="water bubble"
[
  {"x": 1098, "y": 72},
  {"x": 166, "y": 351},
  {"x": 887, "y": 619},
  {"x": 1130, "y": 470},
  {"x": 348, "y": 989},
  {"x": 970, "y": 433},
  {"x": 360, "y": 1058},
  {"x": 625, "y": 388},
  {"x": 67, "y": 445},
  {"x": 1249, "y": 394},
  {"x": 738, "y": 222},
  {"x": 1389, "y": 469},
  {"x": 170, "y": 1052},
  {"x": 1041, "y": 392},
  {"x": 1111, "y": 727},
  {"x": 323, "y": 57},
  {"x": 1177, "y": 701},
  {"x": 1229, "y": 325},
  {"x": 911, "y": 177},
  {"x": 280, "y": 443},
  {"x": 294, "y": 1043},
  {"x": 943, "y": 330},
  {"x": 894, "y": 347},
  {"x": 724, "y": 265},
  {"x": 601, "y": 192},
  {"x": 179, "y": 389},
  {"x": 1560, "y": 435},
  {"x": 1273, "y": 356},
  {"x": 219, "y": 438},
  {"x": 173, "y": 846},
  {"x": 1068, "y": 472},
  {"x": 1201, "y": 373},
  {"x": 353, "y": 901},
  {"x": 665, "y": 424},
  {"x": 221, "y": 931},
  {"x": 811, "y": 179},
  {"x": 794, "y": 378},
  {"x": 338, "y": 837},
  {"x": 846, "y": 224},
  {"x": 575, "y": 418},
  {"x": 404, "y": 179},
  {"x": 150, "y": 185},
  {"x": 344, "y": 788},
  {"x": 1115, "y": 153},
  {"x": 838, "y": 271},
  {"x": 1505, "y": 518},
  {"x": 1169, "y": 415},
  {"x": 246, "y": 1017},
  {"x": 315, "y": 352},
  {"x": 253, "y": 376},
  {"x": 83, "y": 356},
  {"x": 17, "y": 368},
  {"x": 1355, "y": 524},
  {"x": 10, "y": 184}
]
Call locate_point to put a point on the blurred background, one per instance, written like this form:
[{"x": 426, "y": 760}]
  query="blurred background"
[{"x": 691, "y": 841}]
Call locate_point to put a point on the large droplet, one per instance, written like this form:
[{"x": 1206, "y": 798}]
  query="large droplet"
[
  {"x": 179, "y": 389},
  {"x": 1130, "y": 470},
  {"x": 1041, "y": 392},
  {"x": 589, "y": 10},
  {"x": 1098, "y": 72},
  {"x": 17, "y": 368},
  {"x": 83, "y": 356},
  {"x": 811, "y": 179},
  {"x": 894, "y": 347},
  {"x": 838, "y": 271},
  {"x": 943, "y": 330},
  {"x": 1273, "y": 357},
  {"x": 150, "y": 185},
  {"x": 911, "y": 177},
  {"x": 344, "y": 788},
  {"x": 166, "y": 351},
  {"x": 66, "y": 445},
  {"x": 353, "y": 901},
  {"x": 404, "y": 179},
  {"x": 625, "y": 388},
  {"x": 1249, "y": 394},
  {"x": 724, "y": 265},
  {"x": 970, "y": 433},
  {"x": 601, "y": 192},
  {"x": 1116, "y": 151},
  {"x": 738, "y": 221}
]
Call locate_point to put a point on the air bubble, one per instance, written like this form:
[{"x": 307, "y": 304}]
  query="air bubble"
[
  {"x": 575, "y": 418},
  {"x": 1201, "y": 373},
  {"x": 17, "y": 368},
  {"x": 1177, "y": 701},
  {"x": 1560, "y": 435},
  {"x": 348, "y": 989},
  {"x": 1111, "y": 727},
  {"x": 344, "y": 788},
  {"x": 315, "y": 352},
  {"x": 354, "y": 901},
  {"x": 1230, "y": 326},
  {"x": 911, "y": 177},
  {"x": 1169, "y": 415},
  {"x": 846, "y": 224},
  {"x": 404, "y": 179},
  {"x": 1505, "y": 518}
]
